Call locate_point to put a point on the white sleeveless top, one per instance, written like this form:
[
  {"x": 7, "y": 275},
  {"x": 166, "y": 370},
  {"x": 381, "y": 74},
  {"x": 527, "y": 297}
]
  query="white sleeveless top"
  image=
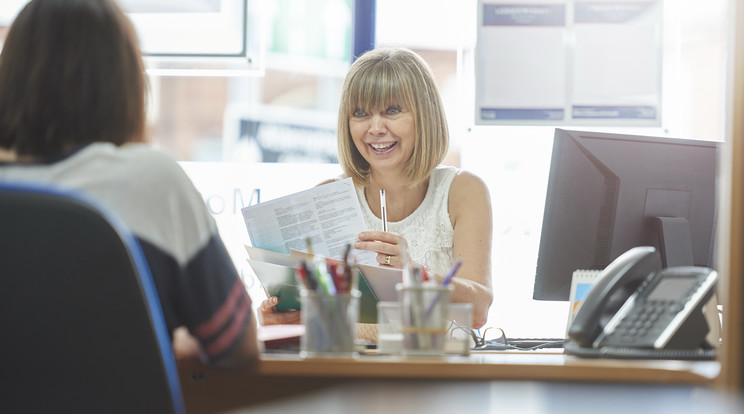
[{"x": 428, "y": 229}]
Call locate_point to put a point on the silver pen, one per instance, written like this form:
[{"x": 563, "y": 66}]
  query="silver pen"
[{"x": 383, "y": 210}]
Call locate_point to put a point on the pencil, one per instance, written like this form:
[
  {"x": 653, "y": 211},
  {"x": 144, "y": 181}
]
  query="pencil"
[{"x": 309, "y": 244}]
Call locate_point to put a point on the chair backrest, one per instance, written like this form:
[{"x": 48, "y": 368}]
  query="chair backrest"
[{"x": 81, "y": 327}]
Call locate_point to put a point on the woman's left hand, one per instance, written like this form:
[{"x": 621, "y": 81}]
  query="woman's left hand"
[
  {"x": 391, "y": 249},
  {"x": 267, "y": 314}
]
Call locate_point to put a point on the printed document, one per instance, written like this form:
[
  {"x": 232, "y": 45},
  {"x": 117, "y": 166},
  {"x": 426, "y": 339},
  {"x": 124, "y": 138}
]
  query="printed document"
[{"x": 325, "y": 219}]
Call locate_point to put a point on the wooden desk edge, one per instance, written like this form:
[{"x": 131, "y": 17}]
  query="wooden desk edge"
[
  {"x": 506, "y": 371},
  {"x": 667, "y": 372},
  {"x": 210, "y": 389}
]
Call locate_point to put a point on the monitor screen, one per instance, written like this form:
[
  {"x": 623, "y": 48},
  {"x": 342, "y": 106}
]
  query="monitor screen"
[{"x": 608, "y": 193}]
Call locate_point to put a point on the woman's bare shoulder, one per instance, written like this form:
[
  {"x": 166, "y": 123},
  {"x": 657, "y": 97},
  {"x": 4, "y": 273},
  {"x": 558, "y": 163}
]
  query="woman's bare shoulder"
[
  {"x": 467, "y": 181},
  {"x": 468, "y": 191}
]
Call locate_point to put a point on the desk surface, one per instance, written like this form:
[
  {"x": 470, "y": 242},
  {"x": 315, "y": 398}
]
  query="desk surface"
[
  {"x": 208, "y": 389},
  {"x": 483, "y": 397}
]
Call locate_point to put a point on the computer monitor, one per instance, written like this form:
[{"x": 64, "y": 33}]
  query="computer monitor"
[{"x": 608, "y": 193}]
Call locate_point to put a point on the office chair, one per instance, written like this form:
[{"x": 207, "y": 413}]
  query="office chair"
[{"x": 81, "y": 327}]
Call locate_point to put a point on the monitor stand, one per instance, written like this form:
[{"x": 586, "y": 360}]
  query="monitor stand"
[{"x": 675, "y": 242}]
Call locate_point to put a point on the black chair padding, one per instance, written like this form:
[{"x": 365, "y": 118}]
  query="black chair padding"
[{"x": 76, "y": 332}]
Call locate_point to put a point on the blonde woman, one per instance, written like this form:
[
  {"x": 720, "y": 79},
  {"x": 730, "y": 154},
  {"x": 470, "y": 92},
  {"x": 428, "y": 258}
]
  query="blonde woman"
[{"x": 393, "y": 135}]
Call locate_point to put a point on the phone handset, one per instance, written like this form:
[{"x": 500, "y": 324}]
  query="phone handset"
[{"x": 616, "y": 283}]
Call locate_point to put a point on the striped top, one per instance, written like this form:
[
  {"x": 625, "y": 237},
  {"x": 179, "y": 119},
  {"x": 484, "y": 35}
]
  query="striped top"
[{"x": 197, "y": 283}]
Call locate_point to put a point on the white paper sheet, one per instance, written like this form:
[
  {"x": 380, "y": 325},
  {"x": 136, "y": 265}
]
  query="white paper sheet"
[{"x": 329, "y": 216}]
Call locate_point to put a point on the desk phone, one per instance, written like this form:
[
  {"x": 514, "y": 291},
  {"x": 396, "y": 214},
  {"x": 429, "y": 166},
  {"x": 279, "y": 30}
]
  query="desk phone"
[
  {"x": 654, "y": 314},
  {"x": 636, "y": 305}
]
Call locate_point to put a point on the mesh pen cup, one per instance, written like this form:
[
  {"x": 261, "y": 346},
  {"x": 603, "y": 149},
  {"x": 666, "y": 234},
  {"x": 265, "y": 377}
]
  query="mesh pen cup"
[
  {"x": 330, "y": 324},
  {"x": 424, "y": 318}
]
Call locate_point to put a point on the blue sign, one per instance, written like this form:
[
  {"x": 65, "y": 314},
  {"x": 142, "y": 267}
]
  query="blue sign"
[{"x": 524, "y": 15}]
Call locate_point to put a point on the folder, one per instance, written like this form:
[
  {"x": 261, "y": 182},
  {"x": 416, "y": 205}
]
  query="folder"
[{"x": 276, "y": 272}]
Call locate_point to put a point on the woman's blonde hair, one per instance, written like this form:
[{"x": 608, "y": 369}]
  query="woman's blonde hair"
[{"x": 393, "y": 76}]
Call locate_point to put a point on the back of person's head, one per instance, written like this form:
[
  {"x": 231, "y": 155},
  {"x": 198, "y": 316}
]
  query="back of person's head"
[
  {"x": 394, "y": 76},
  {"x": 71, "y": 72}
]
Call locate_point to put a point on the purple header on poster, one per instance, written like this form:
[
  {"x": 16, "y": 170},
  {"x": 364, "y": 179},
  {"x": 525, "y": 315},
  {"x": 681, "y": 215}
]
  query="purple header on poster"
[
  {"x": 524, "y": 15},
  {"x": 610, "y": 12},
  {"x": 614, "y": 112},
  {"x": 522, "y": 114}
]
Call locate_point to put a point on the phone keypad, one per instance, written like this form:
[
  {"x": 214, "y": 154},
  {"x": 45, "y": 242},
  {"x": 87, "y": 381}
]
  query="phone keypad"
[
  {"x": 641, "y": 322},
  {"x": 648, "y": 318}
]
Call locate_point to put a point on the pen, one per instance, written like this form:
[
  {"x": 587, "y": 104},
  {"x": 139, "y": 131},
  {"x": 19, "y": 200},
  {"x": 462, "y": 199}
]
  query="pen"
[
  {"x": 406, "y": 270},
  {"x": 445, "y": 282},
  {"x": 418, "y": 318},
  {"x": 348, "y": 269},
  {"x": 325, "y": 281},
  {"x": 302, "y": 275},
  {"x": 451, "y": 274},
  {"x": 312, "y": 281},
  {"x": 383, "y": 210}
]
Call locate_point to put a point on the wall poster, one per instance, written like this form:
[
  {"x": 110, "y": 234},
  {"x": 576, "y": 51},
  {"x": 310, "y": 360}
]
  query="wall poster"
[{"x": 556, "y": 62}]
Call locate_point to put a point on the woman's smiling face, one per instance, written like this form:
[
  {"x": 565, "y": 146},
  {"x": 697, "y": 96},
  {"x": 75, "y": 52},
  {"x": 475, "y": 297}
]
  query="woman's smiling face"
[{"x": 384, "y": 137}]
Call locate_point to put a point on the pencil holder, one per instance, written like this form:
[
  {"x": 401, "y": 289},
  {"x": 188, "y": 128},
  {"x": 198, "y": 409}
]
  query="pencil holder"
[
  {"x": 330, "y": 324},
  {"x": 424, "y": 318}
]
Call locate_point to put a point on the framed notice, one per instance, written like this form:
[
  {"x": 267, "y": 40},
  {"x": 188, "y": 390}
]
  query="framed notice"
[{"x": 569, "y": 62}]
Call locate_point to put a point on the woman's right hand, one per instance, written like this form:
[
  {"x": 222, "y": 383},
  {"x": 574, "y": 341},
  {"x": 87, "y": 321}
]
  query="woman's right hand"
[
  {"x": 391, "y": 249},
  {"x": 267, "y": 314}
]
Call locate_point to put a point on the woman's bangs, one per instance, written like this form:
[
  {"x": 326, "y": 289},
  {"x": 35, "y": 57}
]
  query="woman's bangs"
[{"x": 375, "y": 90}]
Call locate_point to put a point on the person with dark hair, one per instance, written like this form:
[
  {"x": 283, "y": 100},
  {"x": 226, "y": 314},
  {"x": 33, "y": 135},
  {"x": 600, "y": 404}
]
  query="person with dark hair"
[
  {"x": 393, "y": 135},
  {"x": 72, "y": 114}
]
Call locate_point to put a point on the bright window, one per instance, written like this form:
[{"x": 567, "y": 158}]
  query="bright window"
[{"x": 288, "y": 114}]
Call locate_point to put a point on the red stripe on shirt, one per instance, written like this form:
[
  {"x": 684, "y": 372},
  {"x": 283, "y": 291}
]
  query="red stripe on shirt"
[
  {"x": 228, "y": 336},
  {"x": 223, "y": 314}
]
